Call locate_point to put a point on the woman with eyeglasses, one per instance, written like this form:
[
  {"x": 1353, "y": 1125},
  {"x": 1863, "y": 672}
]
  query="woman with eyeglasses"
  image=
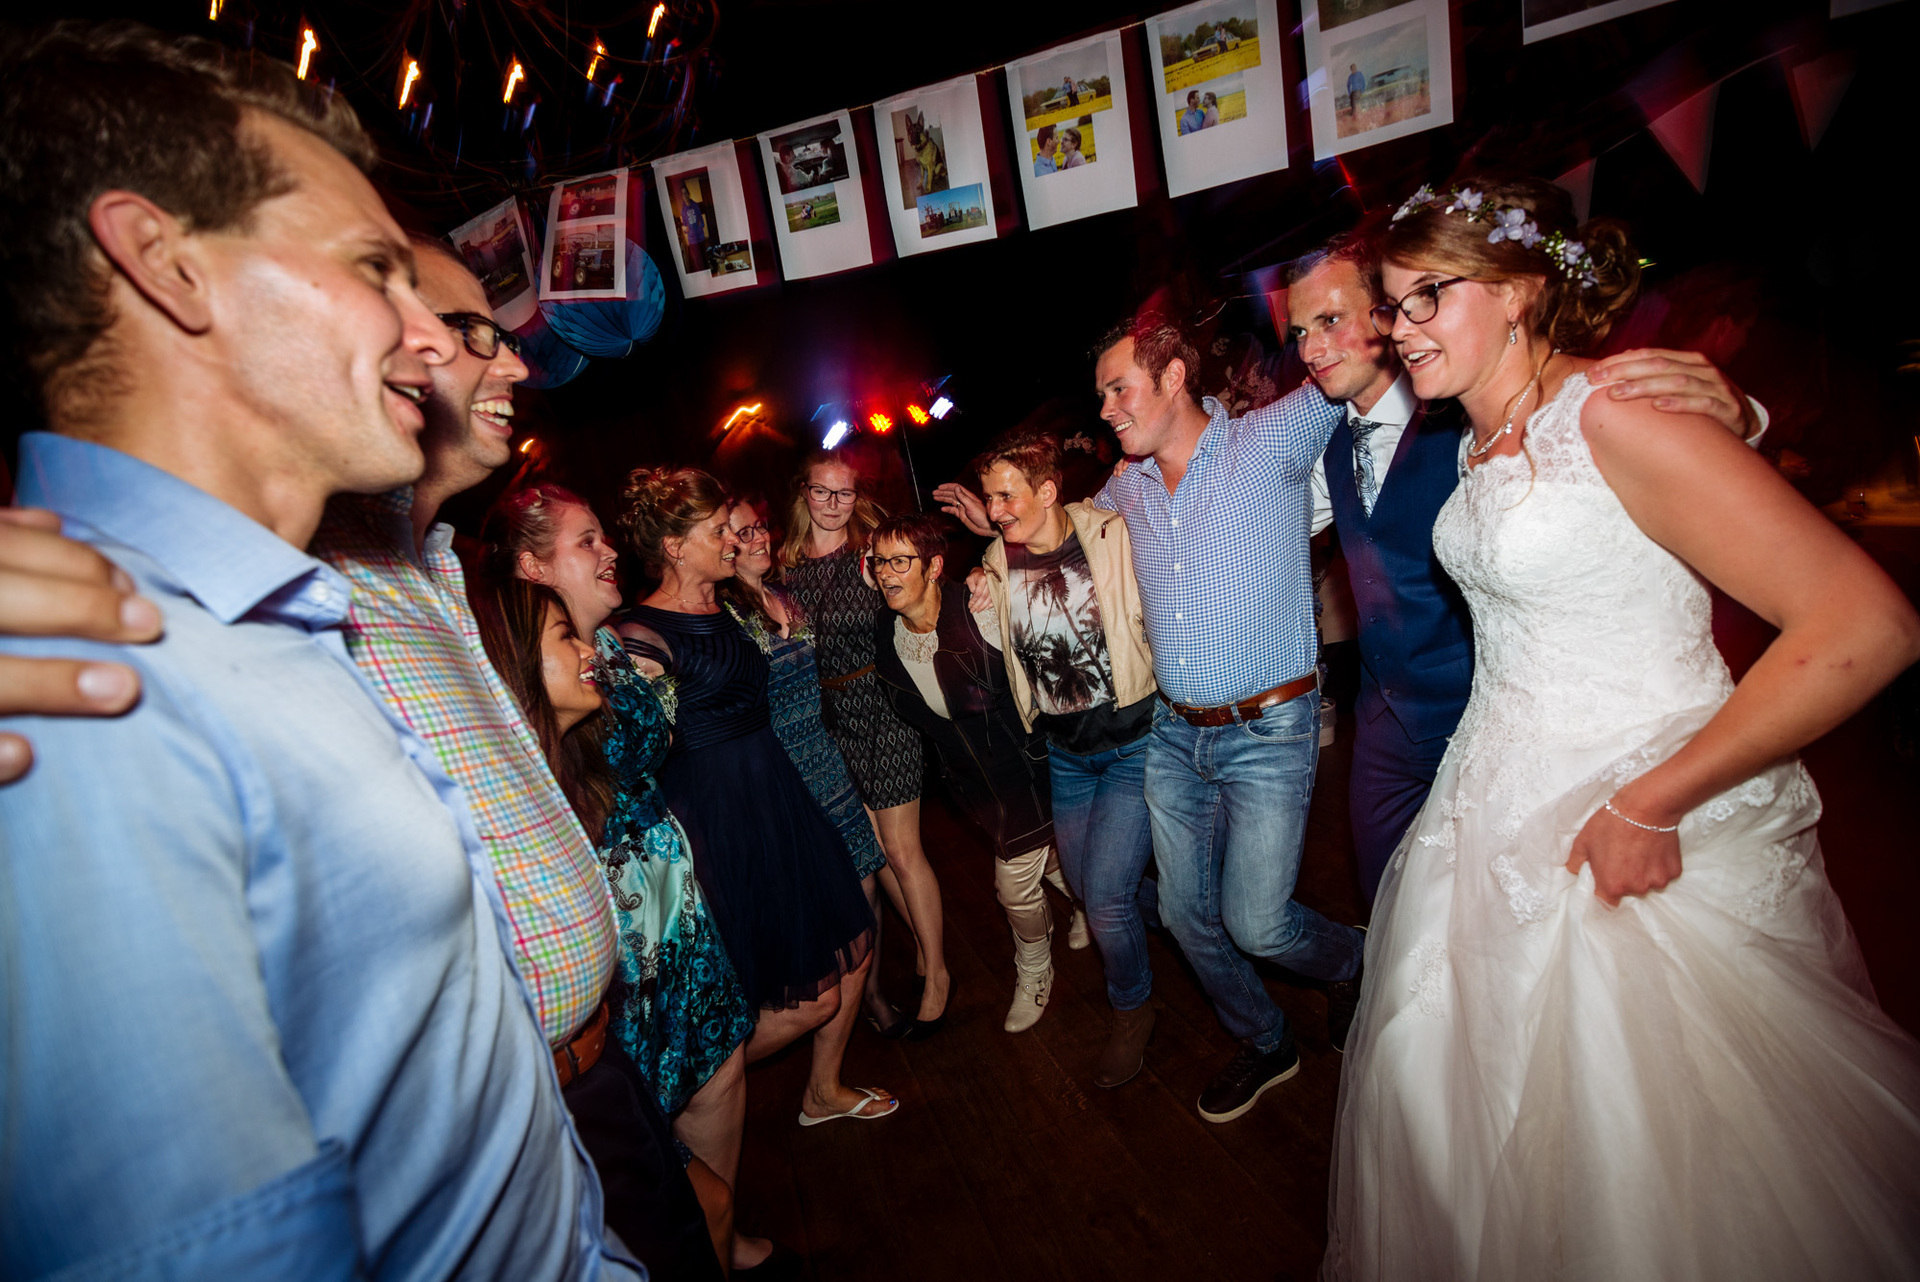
[
  {"x": 775, "y": 870},
  {"x": 1613, "y": 1022},
  {"x": 793, "y": 696},
  {"x": 829, "y": 528}
]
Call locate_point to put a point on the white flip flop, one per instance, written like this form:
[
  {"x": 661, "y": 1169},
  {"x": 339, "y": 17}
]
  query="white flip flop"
[{"x": 870, "y": 1095}]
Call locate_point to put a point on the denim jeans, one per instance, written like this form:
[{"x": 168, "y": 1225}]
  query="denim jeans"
[
  {"x": 1100, "y": 823},
  {"x": 1229, "y": 807}
]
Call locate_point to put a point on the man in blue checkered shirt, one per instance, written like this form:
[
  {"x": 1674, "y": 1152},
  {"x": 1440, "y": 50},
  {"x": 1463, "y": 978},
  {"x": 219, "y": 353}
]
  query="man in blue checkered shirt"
[{"x": 1219, "y": 510}]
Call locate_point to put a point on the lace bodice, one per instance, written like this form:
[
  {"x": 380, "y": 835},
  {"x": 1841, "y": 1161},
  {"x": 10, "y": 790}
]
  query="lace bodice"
[{"x": 1586, "y": 631}]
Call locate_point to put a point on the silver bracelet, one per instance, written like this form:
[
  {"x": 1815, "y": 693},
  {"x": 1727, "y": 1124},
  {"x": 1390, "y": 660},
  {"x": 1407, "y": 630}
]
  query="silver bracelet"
[{"x": 1607, "y": 805}]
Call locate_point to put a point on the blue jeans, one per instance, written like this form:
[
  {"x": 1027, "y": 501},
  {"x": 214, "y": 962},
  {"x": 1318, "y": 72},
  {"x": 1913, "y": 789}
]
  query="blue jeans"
[
  {"x": 1100, "y": 825},
  {"x": 1229, "y": 807}
]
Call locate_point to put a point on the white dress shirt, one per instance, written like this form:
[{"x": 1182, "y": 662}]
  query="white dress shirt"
[{"x": 1393, "y": 411}]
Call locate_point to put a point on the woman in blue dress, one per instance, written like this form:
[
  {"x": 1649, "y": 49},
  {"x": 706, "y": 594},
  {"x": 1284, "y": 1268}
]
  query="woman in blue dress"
[{"x": 784, "y": 635}]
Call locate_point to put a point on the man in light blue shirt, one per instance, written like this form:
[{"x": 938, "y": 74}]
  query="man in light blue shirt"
[
  {"x": 1218, "y": 511},
  {"x": 1043, "y": 153},
  {"x": 1356, "y": 85},
  {"x": 1192, "y": 119},
  {"x": 262, "y": 1022}
]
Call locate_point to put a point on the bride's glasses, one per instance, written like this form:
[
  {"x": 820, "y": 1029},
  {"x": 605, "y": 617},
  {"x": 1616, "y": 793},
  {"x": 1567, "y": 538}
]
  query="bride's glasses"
[{"x": 1418, "y": 306}]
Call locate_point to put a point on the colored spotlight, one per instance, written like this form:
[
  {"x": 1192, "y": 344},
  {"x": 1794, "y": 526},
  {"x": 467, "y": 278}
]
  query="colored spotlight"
[
  {"x": 919, "y": 416},
  {"x": 406, "y": 86},
  {"x": 659, "y": 12},
  {"x": 880, "y": 423},
  {"x": 515, "y": 75},
  {"x": 599, "y": 52},
  {"x": 835, "y": 434},
  {"x": 309, "y": 45},
  {"x": 941, "y": 407}
]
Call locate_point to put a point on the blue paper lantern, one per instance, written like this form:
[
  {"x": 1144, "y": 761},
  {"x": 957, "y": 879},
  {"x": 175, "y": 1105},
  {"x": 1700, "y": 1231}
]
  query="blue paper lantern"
[
  {"x": 612, "y": 327},
  {"x": 549, "y": 360}
]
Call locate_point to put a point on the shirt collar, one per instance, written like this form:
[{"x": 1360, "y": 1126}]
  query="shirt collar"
[
  {"x": 1394, "y": 408},
  {"x": 225, "y": 560},
  {"x": 1216, "y": 431}
]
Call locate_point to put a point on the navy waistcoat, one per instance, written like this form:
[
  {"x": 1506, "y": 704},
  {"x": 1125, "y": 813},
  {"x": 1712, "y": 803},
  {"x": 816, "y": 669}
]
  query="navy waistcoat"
[{"x": 1416, "y": 636}]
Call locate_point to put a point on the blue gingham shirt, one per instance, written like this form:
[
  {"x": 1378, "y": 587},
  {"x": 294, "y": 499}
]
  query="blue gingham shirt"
[{"x": 1225, "y": 575}]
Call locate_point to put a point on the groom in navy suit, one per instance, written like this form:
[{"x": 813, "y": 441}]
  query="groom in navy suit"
[{"x": 1386, "y": 472}]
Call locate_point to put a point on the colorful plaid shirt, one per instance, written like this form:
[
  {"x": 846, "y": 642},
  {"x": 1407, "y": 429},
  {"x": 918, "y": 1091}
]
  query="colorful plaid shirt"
[{"x": 413, "y": 634}]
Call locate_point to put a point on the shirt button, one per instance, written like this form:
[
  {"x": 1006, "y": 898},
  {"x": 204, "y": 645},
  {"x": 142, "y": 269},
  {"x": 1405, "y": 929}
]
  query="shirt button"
[
  {"x": 1176, "y": 565},
  {"x": 1176, "y": 520},
  {"x": 1179, "y": 618}
]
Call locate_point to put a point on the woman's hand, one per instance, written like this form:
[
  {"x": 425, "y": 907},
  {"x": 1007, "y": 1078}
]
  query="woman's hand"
[
  {"x": 964, "y": 506},
  {"x": 52, "y": 586},
  {"x": 1626, "y": 860}
]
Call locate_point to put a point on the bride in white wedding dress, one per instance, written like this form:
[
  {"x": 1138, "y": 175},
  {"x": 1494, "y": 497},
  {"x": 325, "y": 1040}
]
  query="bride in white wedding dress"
[{"x": 1614, "y": 1024}]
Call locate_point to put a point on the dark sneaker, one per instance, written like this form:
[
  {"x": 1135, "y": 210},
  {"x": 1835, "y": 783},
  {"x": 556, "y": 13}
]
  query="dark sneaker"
[
  {"x": 1343, "y": 999},
  {"x": 1240, "y": 1085}
]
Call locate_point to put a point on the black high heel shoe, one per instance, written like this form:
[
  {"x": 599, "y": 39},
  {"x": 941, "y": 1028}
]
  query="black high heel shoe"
[
  {"x": 925, "y": 1028},
  {"x": 900, "y": 1028}
]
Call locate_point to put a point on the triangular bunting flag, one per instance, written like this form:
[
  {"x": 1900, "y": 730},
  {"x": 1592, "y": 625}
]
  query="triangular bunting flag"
[
  {"x": 1578, "y": 183},
  {"x": 1686, "y": 134},
  {"x": 1818, "y": 87}
]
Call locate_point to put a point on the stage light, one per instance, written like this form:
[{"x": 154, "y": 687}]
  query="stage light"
[
  {"x": 941, "y": 407},
  {"x": 599, "y": 52},
  {"x": 735, "y": 416},
  {"x": 526, "y": 446},
  {"x": 213, "y": 10},
  {"x": 835, "y": 434},
  {"x": 880, "y": 423},
  {"x": 659, "y": 12},
  {"x": 309, "y": 45},
  {"x": 919, "y": 416},
  {"x": 515, "y": 75},
  {"x": 413, "y": 74}
]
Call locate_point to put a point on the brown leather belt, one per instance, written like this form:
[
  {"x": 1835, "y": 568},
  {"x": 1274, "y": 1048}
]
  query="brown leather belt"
[
  {"x": 1247, "y": 709},
  {"x": 837, "y": 684},
  {"x": 583, "y": 1052}
]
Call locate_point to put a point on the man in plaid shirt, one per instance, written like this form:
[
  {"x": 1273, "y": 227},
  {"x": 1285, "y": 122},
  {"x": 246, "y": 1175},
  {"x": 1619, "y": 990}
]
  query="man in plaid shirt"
[{"x": 412, "y": 633}]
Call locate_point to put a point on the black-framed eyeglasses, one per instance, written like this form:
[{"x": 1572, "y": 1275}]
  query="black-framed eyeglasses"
[
  {"x": 1419, "y": 306},
  {"x": 898, "y": 564},
  {"x": 750, "y": 533},
  {"x": 821, "y": 494},
  {"x": 483, "y": 337}
]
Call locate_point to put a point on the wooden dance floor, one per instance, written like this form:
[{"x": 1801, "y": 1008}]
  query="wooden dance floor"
[{"x": 1006, "y": 1162}]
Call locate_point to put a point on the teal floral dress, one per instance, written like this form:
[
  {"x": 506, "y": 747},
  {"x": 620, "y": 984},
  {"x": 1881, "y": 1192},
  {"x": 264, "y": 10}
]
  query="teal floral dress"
[{"x": 678, "y": 1008}]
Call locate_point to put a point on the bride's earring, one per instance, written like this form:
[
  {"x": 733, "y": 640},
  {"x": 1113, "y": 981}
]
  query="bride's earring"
[{"x": 1513, "y": 333}]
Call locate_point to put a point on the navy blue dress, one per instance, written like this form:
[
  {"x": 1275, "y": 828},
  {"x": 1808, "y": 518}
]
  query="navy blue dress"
[{"x": 777, "y": 875}]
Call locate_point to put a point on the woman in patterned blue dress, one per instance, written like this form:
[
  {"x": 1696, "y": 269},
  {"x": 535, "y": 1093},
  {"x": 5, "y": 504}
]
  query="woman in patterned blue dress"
[
  {"x": 680, "y": 1009},
  {"x": 774, "y": 621}
]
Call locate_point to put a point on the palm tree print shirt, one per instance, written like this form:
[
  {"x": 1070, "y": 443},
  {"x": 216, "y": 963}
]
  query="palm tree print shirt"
[{"x": 1060, "y": 640}]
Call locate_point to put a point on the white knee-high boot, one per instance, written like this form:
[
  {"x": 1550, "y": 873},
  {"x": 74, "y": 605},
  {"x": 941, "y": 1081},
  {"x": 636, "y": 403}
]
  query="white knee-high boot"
[
  {"x": 1017, "y": 883},
  {"x": 1077, "y": 937}
]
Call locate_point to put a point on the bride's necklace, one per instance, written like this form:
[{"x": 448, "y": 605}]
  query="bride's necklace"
[{"x": 1507, "y": 427}]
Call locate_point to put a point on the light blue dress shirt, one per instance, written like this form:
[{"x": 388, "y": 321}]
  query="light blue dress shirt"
[
  {"x": 1226, "y": 578},
  {"x": 260, "y": 1018}
]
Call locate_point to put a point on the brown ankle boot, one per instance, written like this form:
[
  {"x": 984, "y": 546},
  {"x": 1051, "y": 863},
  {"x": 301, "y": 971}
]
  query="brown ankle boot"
[{"x": 1126, "y": 1047}]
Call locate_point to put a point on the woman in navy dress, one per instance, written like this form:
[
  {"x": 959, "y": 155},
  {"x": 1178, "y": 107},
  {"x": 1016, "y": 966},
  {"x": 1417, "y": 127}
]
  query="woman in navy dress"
[{"x": 776, "y": 872}]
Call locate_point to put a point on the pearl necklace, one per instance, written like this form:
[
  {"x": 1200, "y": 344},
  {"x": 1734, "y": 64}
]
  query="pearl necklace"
[{"x": 1507, "y": 427}]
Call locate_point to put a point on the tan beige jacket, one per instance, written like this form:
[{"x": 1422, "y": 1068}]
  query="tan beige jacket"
[{"x": 1103, "y": 536}]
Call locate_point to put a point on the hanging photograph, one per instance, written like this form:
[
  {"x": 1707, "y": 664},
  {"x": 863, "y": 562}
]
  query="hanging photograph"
[
  {"x": 585, "y": 251},
  {"x": 690, "y": 197},
  {"x": 811, "y": 157},
  {"x": 1222, "y": 106},
  {"x": 494, "y": 246},
  {"x": 705, "y": 208},
  {"x": 813, "y": 173},
  {"x": 1376, "y": 69},
  {"x": 1543, "y": 19},
  {"x": 959, "y": 209},
  {"x": 1063, "y": 98},
  {"x": 932, "y": 144}
]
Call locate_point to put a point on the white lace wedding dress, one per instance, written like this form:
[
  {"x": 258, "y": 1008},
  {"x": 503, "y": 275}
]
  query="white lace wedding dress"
[{"x": 1698, "y": 1084}]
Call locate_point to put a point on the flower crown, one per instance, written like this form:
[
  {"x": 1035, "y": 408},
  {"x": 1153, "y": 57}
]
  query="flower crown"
[{"x": 1510, "y": 222}]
